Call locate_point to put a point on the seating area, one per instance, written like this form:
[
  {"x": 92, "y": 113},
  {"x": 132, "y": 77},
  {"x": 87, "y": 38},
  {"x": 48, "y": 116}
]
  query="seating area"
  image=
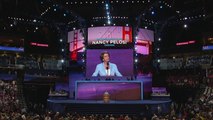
[
  {"x": 52, "y": 64},
  {"x": 31, "y": 62},
  {"x": 9, "y": 101},
  {"x": 188, "y": 81},
  {"x": 168, "y": 64},
  {"x": 33, "y": 65},
  {"x": 185, "y": 62},
  {"x": 193, "y": 61},
  {"x": 11, "y": 109},
  {"x": 207, "y": 97}
]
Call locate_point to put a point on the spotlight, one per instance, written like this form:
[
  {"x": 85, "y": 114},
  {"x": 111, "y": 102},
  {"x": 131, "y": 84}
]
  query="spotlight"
[
  {"x": 61, "y": 40},
  {"x": 158, "y": 49},
  {"x": 153, "y": 12},
  {"x": 11, "y": 25},
  {"x": 185, "y": 25},
  {"x": 127, "y": 24},
  {"x": 159, "y": 39},
  {"x": 62, "y": 61},
  {"x": 136, "y": 60},
  {"x": 158, "y": 60},
  {"x": 62, "y": 50}
]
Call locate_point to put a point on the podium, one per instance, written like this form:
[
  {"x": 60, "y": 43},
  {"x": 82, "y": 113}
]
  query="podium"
[
  {"x": 117, "y": 90},
  {"x": 106, "y": 97}
]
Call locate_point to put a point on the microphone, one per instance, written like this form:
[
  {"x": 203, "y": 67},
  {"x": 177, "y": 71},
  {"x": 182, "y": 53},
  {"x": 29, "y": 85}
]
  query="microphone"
[{"x": 107, "y": 66}]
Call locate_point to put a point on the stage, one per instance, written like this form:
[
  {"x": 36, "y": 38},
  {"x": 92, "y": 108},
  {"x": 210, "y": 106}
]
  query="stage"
[
  {"x": 113, "y": 107},
  {"x": 126, "y": 97},
  {"x": 141, "y": 102}
]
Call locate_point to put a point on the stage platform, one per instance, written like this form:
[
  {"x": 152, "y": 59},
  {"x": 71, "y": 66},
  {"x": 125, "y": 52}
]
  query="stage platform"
[
  {"x": 113, "y": 107},
  {"x": 147, "y": 102}
]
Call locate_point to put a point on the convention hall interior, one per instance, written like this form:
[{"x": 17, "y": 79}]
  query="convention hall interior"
[{"x": 106, "y": 60}]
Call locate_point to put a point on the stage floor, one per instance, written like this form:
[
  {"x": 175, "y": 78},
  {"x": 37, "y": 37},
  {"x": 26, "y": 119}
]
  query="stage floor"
[{"x": 146, "y": 102}]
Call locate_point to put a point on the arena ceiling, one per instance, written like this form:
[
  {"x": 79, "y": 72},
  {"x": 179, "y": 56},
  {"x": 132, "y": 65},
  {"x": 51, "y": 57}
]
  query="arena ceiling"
[
  {"x": 158, "y": 15},
  {"x": 94, "y": 11}
]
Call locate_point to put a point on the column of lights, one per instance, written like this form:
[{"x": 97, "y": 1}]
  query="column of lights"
[
  {"x": 157, "y": 48},
  {"x": 107, "y": 6},
  {"x": 43, "y": 13}
]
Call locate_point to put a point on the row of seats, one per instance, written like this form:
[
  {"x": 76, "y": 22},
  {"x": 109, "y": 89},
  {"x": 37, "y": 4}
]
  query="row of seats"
[
  {"x": 188, "y": 62},
  {"x": 31, "y": 62}
]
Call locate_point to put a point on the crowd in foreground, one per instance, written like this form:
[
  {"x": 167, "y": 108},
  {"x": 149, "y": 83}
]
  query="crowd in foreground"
[{"x": 10, "y": 109}]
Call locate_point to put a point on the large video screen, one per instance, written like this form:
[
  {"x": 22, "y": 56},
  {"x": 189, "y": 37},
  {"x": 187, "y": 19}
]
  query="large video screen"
[
  {"x": 75, "y": 40},
  {"x": 143, "y": 47},
  {"x": 119, "y": 62},
  {"x": 144, "y": 41},
  {"x": 110, "y": 36}
]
